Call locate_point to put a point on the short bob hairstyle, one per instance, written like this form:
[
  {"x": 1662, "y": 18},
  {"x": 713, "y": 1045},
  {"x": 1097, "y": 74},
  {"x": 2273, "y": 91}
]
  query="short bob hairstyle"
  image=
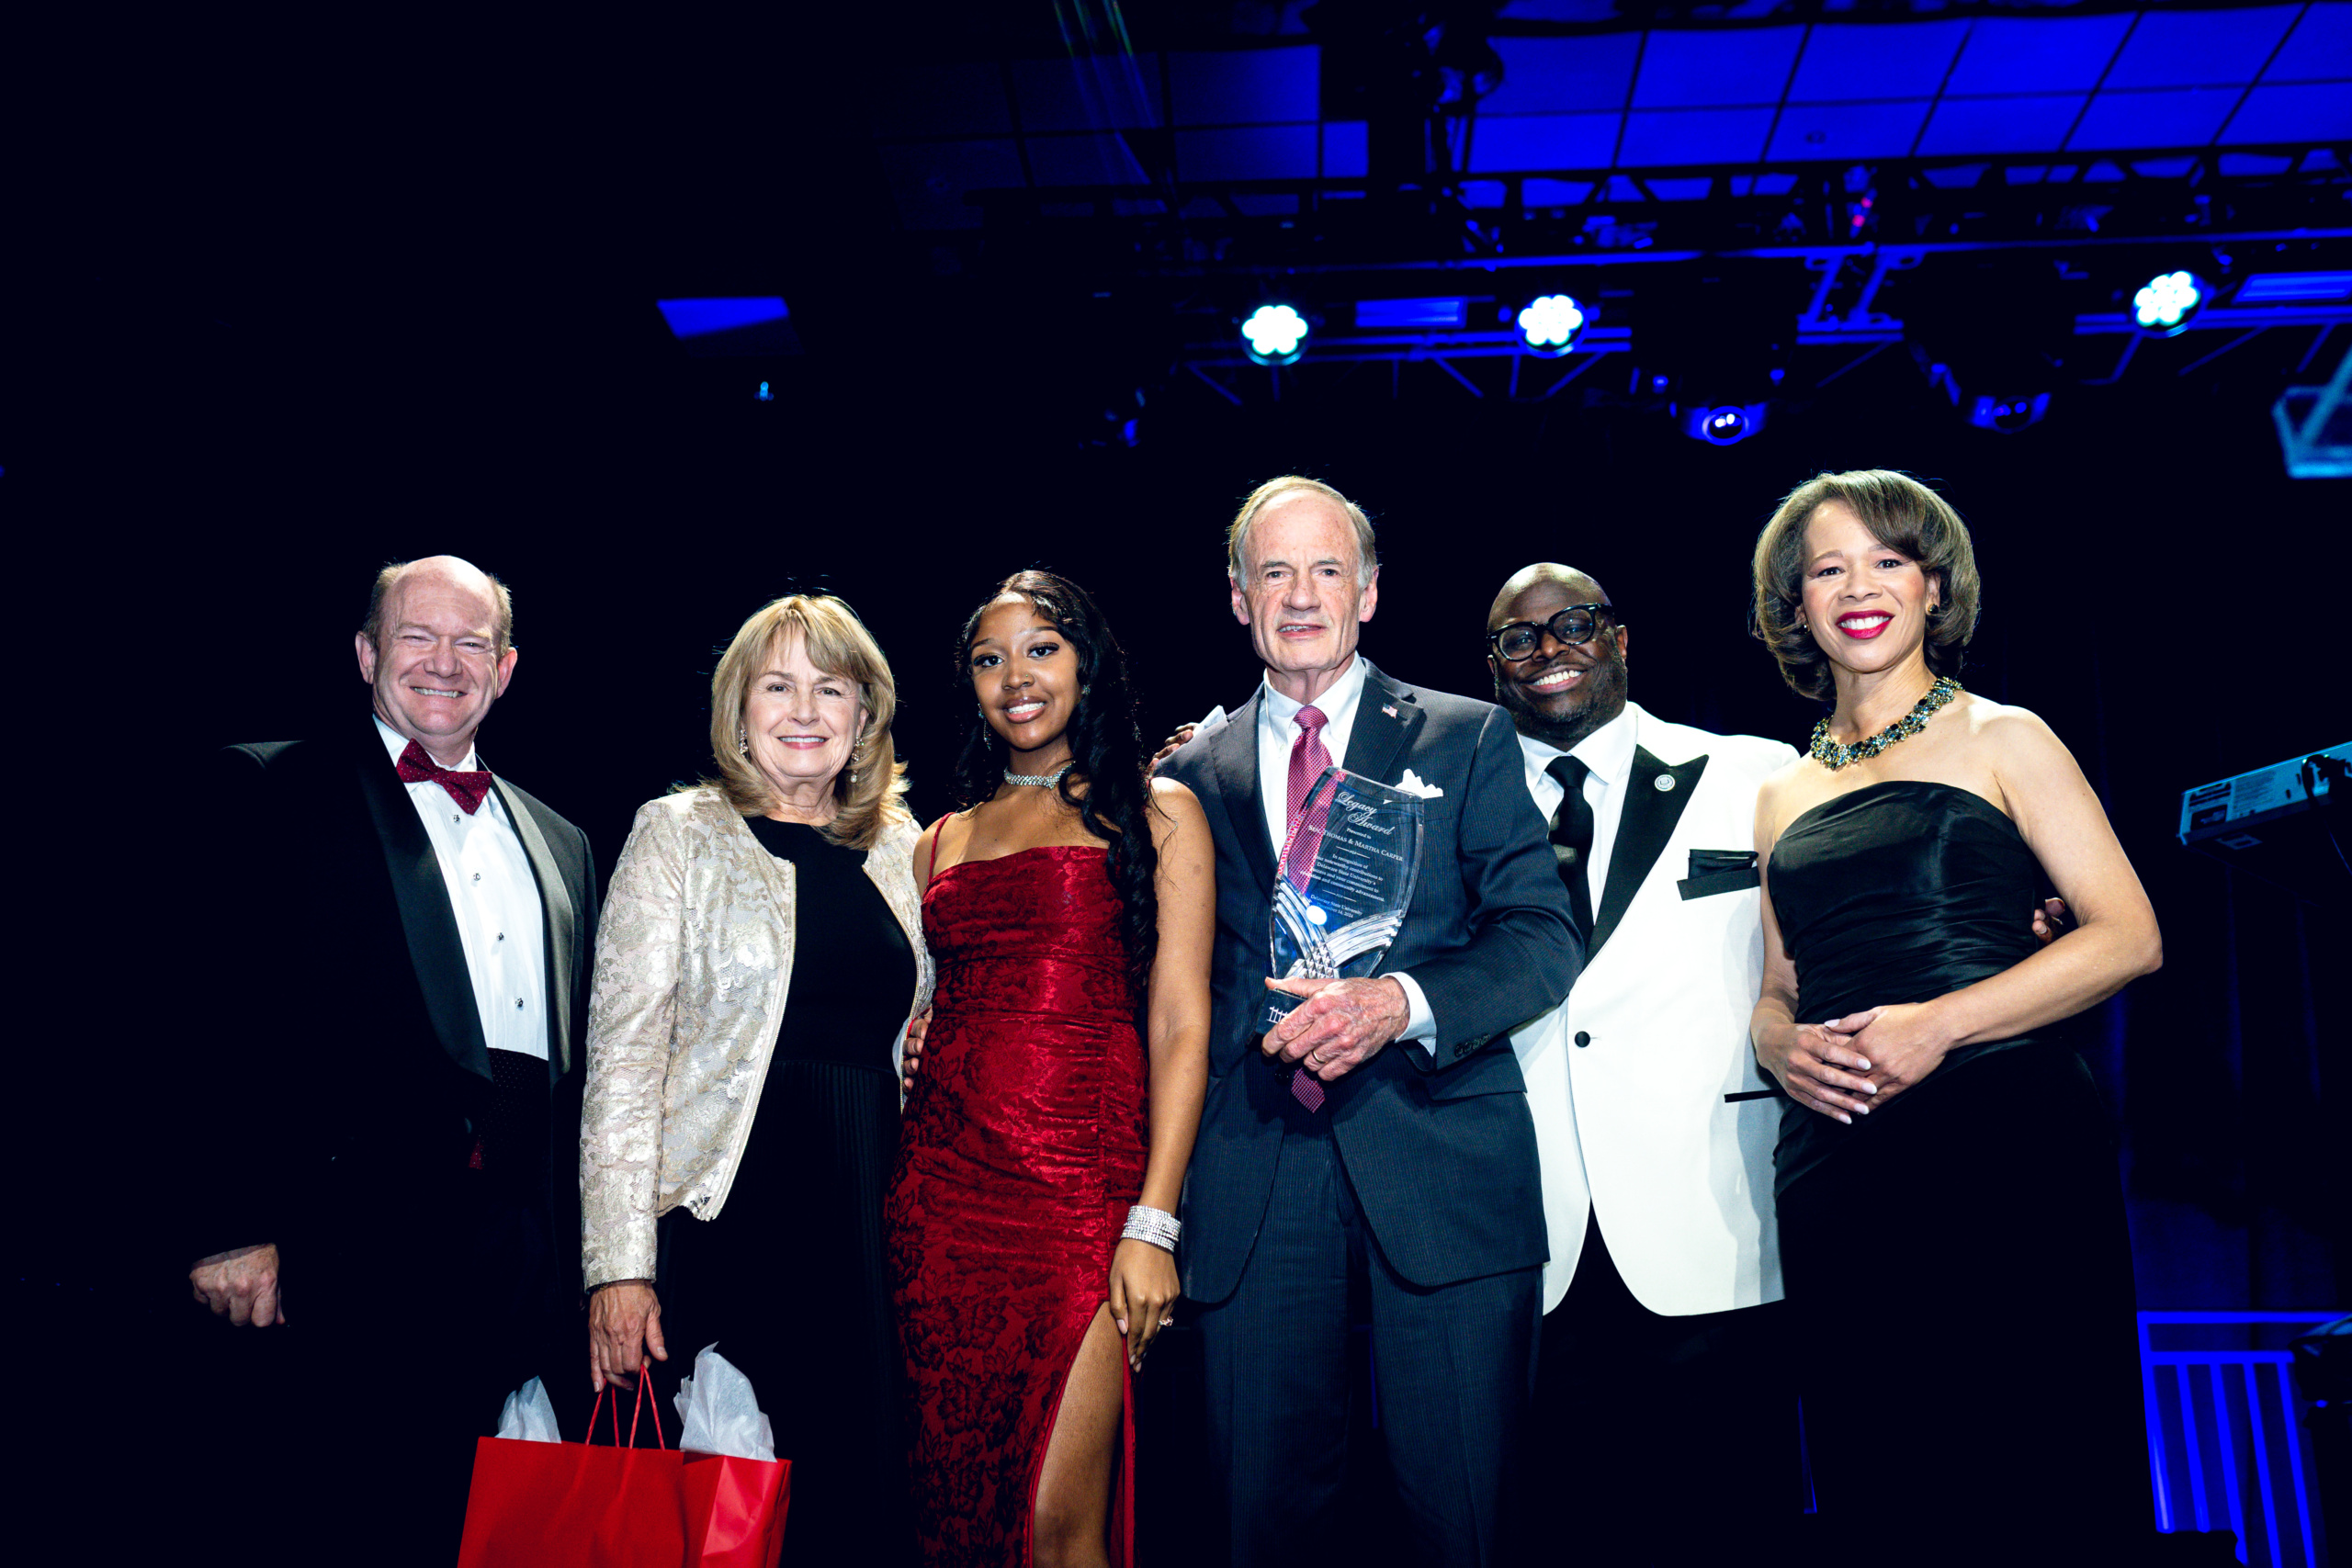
[
  {"x": 1272, "y": 490},
  {"x": 1901, "y": 514},
  {"x": 868, "y": 787}
]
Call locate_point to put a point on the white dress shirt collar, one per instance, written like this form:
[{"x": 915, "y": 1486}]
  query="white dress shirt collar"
[
  {"x": 1606, "y": 752},
  {"x": 1337, "y": 703},
  {"x": 395, "y": 743}
]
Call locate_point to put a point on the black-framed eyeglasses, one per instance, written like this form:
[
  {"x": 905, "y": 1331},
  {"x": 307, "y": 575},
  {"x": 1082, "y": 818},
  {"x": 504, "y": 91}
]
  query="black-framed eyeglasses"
[{"x": 1573, "y": 624}]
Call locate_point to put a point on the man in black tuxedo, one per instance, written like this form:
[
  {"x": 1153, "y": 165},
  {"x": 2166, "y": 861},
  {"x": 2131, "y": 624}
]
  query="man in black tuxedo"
[
  {"x": 1376, "y": 1142},
  {"x": 395, "y": 954}
]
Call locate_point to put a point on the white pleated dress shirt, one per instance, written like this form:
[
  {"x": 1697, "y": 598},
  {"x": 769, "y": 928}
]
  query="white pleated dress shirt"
[{"x": 496, "y": 901}]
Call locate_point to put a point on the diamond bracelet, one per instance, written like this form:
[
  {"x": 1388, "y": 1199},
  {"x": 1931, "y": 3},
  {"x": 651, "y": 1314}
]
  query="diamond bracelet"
[{"x": 1156, "y": 1226}]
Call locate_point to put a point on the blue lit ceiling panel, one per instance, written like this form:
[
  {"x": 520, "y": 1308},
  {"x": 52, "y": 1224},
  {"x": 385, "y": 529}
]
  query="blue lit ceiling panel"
[
  {"x": 1694, "y": 136},
  {"x": 1848, "y": 130},
  {"x": 1347, "y": 149},
  {"x": 1246, "y": 152},
  {"x": 2043, "y": 55},
  {"x": 1544, "y": 141},
  {"x": 2188, "y": 49},
  {"x": 1087, "y": 160},
  {"x": 2298, "y": 112},
  {"x": 1692, "y": 68},
  {"x": 1559, "y": 76},
  {"x": 2027, "y": 124},
  {"x": 2320, "y": 49},
  {"x": 1906, "y": 60},
  {"x": 1257, "y": 86},
  {"x": 2164, "y": 79},
  {"x": 2176, "y": 116}
]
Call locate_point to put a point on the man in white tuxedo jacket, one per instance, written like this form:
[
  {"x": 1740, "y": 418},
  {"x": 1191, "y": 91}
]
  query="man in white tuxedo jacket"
[{"x": 1664, "y": 1428}]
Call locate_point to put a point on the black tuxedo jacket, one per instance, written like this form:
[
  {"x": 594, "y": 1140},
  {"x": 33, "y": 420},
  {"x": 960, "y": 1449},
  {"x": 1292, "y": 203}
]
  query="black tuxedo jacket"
[
  {"x": 1437, "y": 1138},
  {"x": 338, "y": 1074}
]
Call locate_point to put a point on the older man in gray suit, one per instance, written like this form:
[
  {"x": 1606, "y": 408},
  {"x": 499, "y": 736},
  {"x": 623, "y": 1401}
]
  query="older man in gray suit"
[{"x": 1377, "y": 1140}]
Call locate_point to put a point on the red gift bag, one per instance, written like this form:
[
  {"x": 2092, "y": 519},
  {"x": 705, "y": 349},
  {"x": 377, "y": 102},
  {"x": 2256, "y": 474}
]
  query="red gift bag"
[{"x": 573, "y": 1503}]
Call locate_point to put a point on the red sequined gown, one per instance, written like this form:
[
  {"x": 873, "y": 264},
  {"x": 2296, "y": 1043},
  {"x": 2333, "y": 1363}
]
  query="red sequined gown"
[{"x": 1023, "y": 1145}]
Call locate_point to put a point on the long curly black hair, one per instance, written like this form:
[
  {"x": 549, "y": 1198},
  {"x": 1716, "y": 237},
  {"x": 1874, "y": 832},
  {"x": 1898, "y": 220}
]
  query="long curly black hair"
[{"x": 1105, "y": 747}]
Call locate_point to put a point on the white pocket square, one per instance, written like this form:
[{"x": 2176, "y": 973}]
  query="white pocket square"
[{"x": 1411, "y": 785}]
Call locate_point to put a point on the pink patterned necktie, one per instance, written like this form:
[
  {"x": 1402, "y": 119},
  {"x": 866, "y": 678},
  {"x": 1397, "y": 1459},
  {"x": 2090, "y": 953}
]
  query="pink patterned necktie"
[{"x": 1302, "y": 836}]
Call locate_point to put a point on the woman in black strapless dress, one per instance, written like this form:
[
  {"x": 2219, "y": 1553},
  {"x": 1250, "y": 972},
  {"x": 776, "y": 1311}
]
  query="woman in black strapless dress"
[{"x": 1951, "y": 1224}]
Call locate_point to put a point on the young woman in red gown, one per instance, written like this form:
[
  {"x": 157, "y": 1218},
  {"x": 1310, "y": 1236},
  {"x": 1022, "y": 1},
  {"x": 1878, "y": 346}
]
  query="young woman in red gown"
[{"x": 1067, "y": 906}]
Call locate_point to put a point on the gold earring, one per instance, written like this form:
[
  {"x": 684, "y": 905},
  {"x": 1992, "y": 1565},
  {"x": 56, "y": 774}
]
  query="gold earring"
[{"x": 743, "y": 740}]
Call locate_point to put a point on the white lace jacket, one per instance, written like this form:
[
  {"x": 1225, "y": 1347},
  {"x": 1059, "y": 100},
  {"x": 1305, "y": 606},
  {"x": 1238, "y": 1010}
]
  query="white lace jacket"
[{"x": 693, "y": 961}]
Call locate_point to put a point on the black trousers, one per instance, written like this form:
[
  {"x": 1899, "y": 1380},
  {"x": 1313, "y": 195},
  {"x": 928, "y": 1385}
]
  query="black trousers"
[
  {"x": 1658, "y": 1439},
  {"x": 1453, "y": 1366}
]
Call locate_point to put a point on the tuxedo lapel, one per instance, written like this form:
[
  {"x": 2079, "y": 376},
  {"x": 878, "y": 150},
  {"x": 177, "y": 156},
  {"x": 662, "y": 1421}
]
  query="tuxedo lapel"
[
  {"x": 435, "y": 949},
  {"x": 1645, "y": 825},
  {"x": 559, "y": 920},
  {"x": 1386, "y": 721},
  {"x": 1233, "y": 751}
]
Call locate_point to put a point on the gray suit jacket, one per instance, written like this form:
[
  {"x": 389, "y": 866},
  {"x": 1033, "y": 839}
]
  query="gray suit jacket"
[{"x": 1437, "y": 1138}]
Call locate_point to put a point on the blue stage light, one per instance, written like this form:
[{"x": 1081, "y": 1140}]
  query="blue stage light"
[
  {"x": 763, "y": 395},
  {"x": 1274, "y": 335},
  {"x": 1987, "y": 413},
  {"x": 1549, "y": 325},
  {"x": 2167, "y": 303},
  {"x": 1724, "y": 424}
]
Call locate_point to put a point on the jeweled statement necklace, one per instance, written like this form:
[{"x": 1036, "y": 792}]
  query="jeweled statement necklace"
[
  {"x": 1831, "y": 755},
  {"x": 1045, "y": 780}
]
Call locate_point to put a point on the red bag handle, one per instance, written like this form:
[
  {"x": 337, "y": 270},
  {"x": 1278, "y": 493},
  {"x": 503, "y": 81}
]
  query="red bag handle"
[{"x": 644, "y": 1377}]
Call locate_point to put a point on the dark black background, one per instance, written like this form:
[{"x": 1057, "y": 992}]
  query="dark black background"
[{"x": 320, "y": 303}]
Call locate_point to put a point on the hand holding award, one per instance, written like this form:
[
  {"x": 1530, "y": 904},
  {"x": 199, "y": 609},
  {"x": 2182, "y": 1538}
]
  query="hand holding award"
[{"x": 1345, "y": 881}]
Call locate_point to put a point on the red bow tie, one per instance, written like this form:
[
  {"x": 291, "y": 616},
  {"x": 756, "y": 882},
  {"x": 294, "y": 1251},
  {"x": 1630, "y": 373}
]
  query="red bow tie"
[{"x": 466, "y": 789}]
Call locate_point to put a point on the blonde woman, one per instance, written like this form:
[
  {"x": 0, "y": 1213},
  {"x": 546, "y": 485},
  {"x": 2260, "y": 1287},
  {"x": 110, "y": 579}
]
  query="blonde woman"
[{"x": 760, "y": 955}]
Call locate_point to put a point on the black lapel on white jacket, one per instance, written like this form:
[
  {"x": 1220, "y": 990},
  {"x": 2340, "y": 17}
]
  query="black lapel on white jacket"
[
  {"x": 1644, "y": 826},
  {"x": 434, "y": 948}
]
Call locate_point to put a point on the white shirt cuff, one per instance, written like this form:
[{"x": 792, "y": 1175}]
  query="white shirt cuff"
[{"x": 1419, "y": 1022}]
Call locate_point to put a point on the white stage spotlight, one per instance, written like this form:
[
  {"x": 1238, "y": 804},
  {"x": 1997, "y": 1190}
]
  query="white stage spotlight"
[
  {"x": 1549, "y": 325},
  {"x": 2168, "y": 302},
  {"x": 1274, "y": 335}
]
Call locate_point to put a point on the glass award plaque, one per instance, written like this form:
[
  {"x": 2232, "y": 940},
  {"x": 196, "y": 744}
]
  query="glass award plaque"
[{"x": 1345, "y": 881}]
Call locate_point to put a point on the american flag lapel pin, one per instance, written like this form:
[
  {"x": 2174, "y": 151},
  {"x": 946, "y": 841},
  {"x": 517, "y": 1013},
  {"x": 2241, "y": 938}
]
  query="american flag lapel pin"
[{"x": 1389, "y": 708}]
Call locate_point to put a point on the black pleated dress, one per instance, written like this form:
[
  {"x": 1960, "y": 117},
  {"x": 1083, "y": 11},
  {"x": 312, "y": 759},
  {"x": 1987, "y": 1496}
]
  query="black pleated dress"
[
  {"x": 1959, "y": 1275},
  {"x": 790, "y": 1278}
]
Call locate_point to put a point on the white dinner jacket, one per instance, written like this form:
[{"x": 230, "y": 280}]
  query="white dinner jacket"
[{"x": 1649, "y": 1104}]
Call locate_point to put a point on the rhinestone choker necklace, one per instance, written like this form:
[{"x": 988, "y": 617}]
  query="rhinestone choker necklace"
[
  {"x": 1831, "y": 755},
  {"x": 1043, "y": 780}
]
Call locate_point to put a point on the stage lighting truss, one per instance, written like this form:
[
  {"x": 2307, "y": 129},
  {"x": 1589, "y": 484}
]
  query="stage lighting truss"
[
  {"x": 2167, "y": 303},
  {"x": 1549, "y": 325},
  {"x": 1274, "y": 335}
]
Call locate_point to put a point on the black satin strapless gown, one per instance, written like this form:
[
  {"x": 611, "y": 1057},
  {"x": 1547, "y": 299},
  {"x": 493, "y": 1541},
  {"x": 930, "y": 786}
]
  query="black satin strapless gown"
[{"x": 1959, "y": 1275}]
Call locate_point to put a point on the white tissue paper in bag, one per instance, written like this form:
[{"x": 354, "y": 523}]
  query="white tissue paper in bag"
[
  {"x": 529, "y": 1417},
  {"x": 720, "y": 1413}
]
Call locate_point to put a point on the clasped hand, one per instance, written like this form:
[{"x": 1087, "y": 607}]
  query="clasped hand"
[
  {"x": 1341, "y": 1025},
  {"x": 242, "y": 1285},
  {"x": 1844, "y": 1067}
]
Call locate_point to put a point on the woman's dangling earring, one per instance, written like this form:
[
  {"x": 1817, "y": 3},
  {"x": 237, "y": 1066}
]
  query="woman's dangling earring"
[{"x": 743, "y": 740}]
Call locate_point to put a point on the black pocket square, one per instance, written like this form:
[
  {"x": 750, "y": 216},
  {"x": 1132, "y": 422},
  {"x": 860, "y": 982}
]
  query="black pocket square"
[{"x": 1719, "y": 871}]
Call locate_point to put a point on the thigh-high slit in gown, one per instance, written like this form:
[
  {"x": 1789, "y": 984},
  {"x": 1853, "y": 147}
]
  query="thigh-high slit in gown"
[
  {"x": 1958, "y": 1276},
  {"x": 1023, "y": 1145}
]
